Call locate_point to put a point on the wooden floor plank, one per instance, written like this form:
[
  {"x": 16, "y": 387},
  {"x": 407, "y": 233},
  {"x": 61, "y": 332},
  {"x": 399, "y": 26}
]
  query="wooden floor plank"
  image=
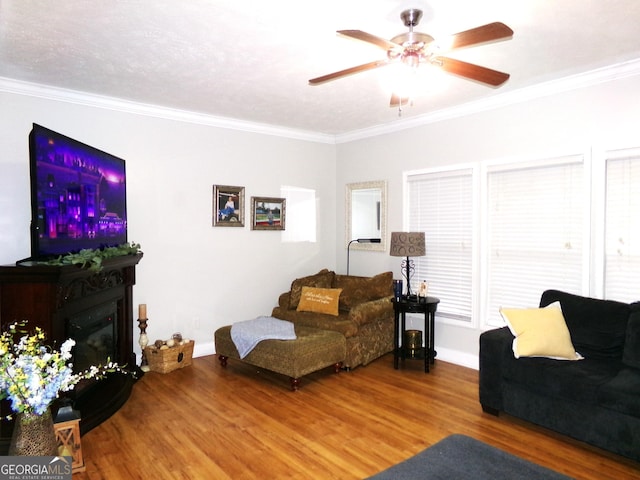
[{"x": 205, "y": 421}]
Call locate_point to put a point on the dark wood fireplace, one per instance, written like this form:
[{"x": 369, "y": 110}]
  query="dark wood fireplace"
[{"x": 95, "y": 309}]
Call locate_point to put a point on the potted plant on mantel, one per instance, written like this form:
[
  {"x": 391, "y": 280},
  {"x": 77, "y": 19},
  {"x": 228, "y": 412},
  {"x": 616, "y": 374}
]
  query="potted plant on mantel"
[
  {"x": 92, "y": 259},
  {"x": 32, "y": 375}
]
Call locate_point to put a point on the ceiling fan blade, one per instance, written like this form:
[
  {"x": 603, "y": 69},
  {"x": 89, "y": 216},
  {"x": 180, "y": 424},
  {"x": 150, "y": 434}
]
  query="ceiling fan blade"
[
  {"x": 369, "y": 38},
  {"x": 485, "y": 33},
  {"x": 471, "y": 71},
  {"x": 397, "y": 101},
  {"x": 348, "y": 71}
]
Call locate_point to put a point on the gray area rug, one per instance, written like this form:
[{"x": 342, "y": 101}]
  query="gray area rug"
[{"x": 459, "y": 457}]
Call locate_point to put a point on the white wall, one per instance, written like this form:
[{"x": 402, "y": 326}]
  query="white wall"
[
  {"x": 193, "y": 277},
  {"x": 604, "y": 116}
]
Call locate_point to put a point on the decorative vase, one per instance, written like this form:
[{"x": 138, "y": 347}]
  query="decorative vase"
[{"x": 33, "y": 435}]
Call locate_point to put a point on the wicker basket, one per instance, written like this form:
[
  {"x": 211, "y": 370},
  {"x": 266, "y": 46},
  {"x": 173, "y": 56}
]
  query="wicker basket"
[{"x": 170, "y": 359}]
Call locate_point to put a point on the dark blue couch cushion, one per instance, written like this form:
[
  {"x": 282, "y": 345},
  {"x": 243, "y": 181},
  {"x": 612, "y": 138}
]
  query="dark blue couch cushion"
[
  {"x": 598, "y": 327},
  {"x": 631, "y": 354},
  {"x": 622, "y": 394},
  {"x": 572, "y": 380}
]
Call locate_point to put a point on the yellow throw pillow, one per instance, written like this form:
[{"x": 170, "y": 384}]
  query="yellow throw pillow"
[
  {"x": 540, "y": 332},
  {"x": 319, "y": 300},
  {"x": 322, "y": 279}
]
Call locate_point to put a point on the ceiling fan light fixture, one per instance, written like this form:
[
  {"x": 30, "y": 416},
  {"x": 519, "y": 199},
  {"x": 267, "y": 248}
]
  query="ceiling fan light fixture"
[
  {"x": 401, "y": 80},
  {"x": 394, "y": 54},
  {"x": 411, "y": 59}
]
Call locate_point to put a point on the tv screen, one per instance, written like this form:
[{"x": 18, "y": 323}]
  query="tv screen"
[{"x": 78, "y": 196}]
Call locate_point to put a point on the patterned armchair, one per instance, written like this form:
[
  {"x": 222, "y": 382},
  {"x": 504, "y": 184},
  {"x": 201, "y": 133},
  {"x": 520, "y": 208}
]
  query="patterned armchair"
[{"x": 364, "y": 317}]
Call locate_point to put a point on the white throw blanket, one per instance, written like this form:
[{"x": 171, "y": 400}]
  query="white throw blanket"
[{"x": 247, "y": 334}]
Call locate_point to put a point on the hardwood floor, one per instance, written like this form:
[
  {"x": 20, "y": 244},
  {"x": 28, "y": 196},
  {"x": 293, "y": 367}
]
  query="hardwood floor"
[{"x": 206, "y": 422}]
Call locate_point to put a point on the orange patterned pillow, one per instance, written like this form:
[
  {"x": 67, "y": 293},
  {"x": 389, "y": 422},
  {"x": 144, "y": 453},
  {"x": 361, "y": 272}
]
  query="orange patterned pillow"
[
  {"x": 322, "y": 279},
  {"x": 319, "y": 300}
]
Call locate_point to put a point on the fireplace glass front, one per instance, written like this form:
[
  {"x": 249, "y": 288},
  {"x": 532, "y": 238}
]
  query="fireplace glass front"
[{"x": 95, "y": 333}]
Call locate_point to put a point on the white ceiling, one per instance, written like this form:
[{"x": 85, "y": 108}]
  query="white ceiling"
[{"x": 251, "y": 60}]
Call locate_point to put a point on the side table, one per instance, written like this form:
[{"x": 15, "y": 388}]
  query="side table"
[{"x": 427, "y": 306}]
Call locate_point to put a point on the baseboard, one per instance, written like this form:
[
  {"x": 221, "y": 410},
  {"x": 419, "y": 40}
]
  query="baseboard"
[
  {"x": 203, "y": 349},
  {"x": 459, "y": 358}
]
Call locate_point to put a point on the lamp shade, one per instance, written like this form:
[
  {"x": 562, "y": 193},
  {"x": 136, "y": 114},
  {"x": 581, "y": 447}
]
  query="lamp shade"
[{"x": 407, "y": 244}]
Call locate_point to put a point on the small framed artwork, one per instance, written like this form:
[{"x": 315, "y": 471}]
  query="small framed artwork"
[
  {"x": 228, "y": 206},
  {"x": 268, "y": 213}
]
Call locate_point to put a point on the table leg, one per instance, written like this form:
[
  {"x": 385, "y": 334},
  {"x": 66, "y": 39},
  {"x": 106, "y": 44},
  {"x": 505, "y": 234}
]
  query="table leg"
[
  {"x": 403, "y": 317},
  {"x": 427, "y": 342},
  {"x": 396, "y": 326},
  {"x": 432, "y": 343}
]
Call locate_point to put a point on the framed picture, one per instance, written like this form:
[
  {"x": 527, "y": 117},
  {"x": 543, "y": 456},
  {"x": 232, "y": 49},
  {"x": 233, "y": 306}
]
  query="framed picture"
[
  {"x": 268, "y": 213},
  {"x": 228, "y": 206}
]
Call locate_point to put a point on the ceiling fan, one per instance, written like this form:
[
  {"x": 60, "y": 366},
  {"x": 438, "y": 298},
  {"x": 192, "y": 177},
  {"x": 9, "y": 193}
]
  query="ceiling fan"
[{"x": 414, "y": 49}]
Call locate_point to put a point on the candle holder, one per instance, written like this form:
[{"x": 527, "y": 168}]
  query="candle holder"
[{"x": 143, "y": 341}]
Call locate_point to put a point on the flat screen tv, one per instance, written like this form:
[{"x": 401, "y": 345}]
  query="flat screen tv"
[{"x": 78, "y": 196}]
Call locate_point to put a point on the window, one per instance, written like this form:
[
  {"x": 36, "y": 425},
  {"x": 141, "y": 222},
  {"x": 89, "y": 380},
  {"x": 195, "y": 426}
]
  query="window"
[
  {"x": 535, "y": 232},
  {"x": 441, "y": 205},
  {"x": 301, "y": 214},
  {"x": 622, "y": 227}
]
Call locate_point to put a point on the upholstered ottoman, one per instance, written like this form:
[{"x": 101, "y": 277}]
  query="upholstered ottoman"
[{"x": 312, "y": 350}]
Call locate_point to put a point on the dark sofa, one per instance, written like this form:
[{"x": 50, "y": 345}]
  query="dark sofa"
[{"x": 595, "y": 400}]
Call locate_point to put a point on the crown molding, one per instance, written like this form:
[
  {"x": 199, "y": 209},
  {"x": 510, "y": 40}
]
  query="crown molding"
[
  {"x": 111, "y": 103},
  {"x": 573, "y": 82},
  {"x": 545, "y": 89}
]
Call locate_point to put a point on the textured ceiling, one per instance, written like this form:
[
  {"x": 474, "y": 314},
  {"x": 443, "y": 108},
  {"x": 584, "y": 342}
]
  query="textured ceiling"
[{"x": 251, "y": 60}]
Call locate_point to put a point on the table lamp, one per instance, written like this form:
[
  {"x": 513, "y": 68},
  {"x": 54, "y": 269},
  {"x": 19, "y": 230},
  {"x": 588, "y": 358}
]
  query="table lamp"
[{"x": 407, "y": 244}]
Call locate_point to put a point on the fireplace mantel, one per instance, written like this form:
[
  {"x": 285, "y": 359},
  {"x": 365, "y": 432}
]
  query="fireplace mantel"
[{"x": 48, "y": 296}]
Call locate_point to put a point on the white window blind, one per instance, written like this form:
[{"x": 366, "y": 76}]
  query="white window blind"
[
  {"x": 441, "y": 205},
  {"x": 622, "y": 228},
  {"x": 535, "y": 230}
]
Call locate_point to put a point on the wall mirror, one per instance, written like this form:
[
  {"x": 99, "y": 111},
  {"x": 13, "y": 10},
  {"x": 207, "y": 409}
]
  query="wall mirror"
[{"x": 366, "y": 214}]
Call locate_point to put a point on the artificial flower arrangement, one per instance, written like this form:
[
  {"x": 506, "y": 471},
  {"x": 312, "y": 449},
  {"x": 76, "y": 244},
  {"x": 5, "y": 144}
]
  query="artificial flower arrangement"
[{"x": 32, "y": 374}]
